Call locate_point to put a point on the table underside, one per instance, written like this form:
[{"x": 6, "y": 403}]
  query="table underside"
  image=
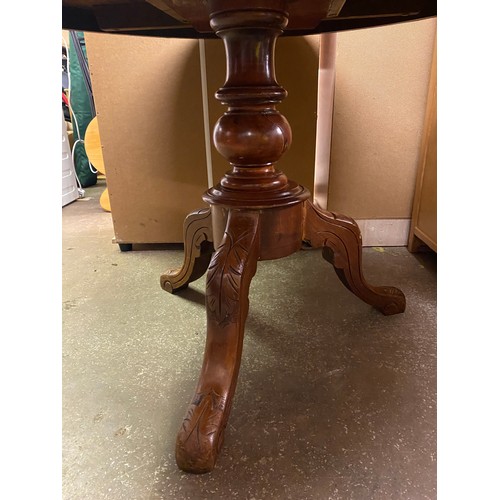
[{"x": 190, "y": 18}]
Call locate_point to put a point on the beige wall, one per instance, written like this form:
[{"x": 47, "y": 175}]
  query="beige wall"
[{"x": 382, "y": 77}]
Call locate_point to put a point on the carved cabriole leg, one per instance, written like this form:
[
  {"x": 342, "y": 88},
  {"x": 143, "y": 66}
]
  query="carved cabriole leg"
[
  {"x": 340, "y": 238},
  {"x": 198, "y": 249},
  {"x": 229, "y": 274}
]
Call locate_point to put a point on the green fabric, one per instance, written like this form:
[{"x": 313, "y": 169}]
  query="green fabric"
[{"x": 80, "y": 104}]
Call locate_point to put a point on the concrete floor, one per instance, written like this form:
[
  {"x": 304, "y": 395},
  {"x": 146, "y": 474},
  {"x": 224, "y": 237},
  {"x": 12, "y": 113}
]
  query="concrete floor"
[{"x": 334, "y": 400}]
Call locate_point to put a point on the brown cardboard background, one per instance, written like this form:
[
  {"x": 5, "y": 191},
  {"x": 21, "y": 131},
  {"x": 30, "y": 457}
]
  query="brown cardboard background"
[
  {"x": 149, "y": 106},
  {"x": 382, "y": 77}
]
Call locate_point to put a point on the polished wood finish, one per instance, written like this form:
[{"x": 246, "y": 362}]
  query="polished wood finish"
[
  {"x": 252, "y": 135},
  {"x": 280, "y": 228},
  {"x": 198, "y": 249},
  {"x": 256, "y": 211},
  {"x": 232, "y": 267},
  {"x": 340, "y": 238}
]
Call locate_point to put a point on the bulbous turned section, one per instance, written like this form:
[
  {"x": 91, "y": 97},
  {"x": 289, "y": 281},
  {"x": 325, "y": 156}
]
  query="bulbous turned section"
[
  {"x": 252, "y": 135},
  {"x": 250, "y": 138}
]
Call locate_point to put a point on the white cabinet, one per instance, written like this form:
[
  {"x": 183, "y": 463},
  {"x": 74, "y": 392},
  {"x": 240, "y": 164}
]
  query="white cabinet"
[{"x": 69, "y": 184}]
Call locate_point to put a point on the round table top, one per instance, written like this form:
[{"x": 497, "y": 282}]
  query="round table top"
[{"x": 190, "y": 18}]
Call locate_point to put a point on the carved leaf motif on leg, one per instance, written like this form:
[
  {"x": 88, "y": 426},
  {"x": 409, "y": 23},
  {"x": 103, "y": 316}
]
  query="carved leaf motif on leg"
[
  {"x": 231, "y": 270},
  {"x": 224, "y": 276},
  {"x": 211, "y": 407}
]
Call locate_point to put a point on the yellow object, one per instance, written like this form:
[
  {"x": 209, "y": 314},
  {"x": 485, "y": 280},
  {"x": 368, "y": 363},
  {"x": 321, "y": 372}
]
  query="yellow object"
[
  {"x": 93, "y": 148},
  {"x": 104, "y": 200}
]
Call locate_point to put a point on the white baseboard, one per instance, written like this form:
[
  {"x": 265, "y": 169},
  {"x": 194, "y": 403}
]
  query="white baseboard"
[{"x": 384, "y": 232}]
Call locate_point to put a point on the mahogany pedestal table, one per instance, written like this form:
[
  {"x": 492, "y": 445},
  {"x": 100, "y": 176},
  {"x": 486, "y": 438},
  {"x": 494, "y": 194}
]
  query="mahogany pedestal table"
[{"x": 256, "y": 212}]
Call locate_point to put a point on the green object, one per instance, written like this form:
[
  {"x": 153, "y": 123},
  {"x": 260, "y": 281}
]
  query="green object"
[{"x": 82, "y": 107}]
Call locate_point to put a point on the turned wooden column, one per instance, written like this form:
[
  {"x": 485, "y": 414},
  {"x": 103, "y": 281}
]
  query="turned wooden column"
[{"x": 252, "y": 134}]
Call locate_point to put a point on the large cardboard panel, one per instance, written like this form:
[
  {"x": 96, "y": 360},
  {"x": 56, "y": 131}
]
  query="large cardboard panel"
[
  {"x": 149, "y": 108},
  {"x": 382, "y": 77}
]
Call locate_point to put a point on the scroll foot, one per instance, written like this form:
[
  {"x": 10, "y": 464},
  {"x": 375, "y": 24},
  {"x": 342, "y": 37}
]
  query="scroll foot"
[
  {"x": 198, "y": 249},
  {"x": 340, "y": 238}
]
